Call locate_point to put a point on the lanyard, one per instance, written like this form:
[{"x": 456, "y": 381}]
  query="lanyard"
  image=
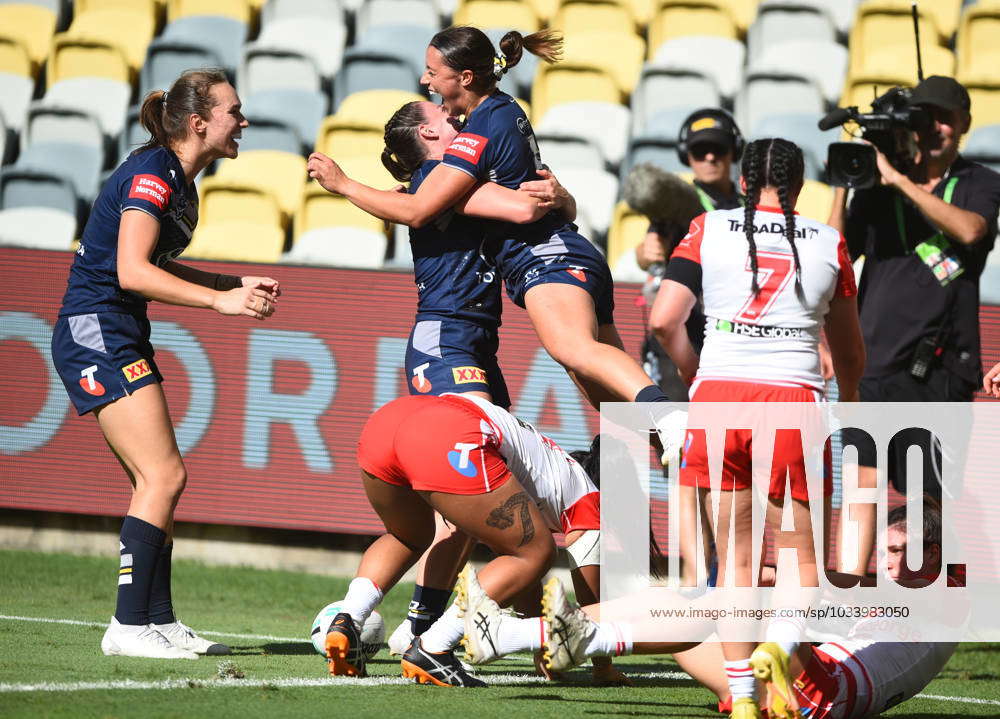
[
  {"x": 707, "y": 203},
  {"x": 949, "y": 190}
]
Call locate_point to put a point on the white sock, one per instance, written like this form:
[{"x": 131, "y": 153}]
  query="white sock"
[
  {"x": 741, "y": 679},
  {"x": 445, "y": 633},
  {"x": 612, "y": 639},
  {"x": 519, "y": 635},
  {"x": 363, "y": 595},
  {"x": 786, "y": 633}
]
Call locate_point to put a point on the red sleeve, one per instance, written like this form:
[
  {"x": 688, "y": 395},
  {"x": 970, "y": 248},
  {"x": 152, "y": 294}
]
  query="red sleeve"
[
  {"x": 690, "y": 247},
  {"x": 846, "y": 286}
]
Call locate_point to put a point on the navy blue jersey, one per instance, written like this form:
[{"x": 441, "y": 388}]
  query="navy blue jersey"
[
  {"x": 152, "y": 182},
  {"x": 452, "y": 267}
]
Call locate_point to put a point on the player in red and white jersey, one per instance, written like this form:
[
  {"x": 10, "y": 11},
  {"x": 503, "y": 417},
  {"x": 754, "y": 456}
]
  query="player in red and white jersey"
[
  {"x": 494, "y": 477},
  {"x": 770, "y": 281}
]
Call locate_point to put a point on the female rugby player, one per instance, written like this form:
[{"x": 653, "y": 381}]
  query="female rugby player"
[
  {"x": 559, "y": 277},
  {"x": 761, "y": 339},
  {"x": 143, "y": 219}
]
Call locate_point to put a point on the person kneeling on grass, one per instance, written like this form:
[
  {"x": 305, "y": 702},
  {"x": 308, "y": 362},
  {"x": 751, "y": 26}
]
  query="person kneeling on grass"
[{"x": 493, "y": 476}]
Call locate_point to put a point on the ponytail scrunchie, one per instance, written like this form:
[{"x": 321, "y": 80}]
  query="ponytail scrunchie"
[{"x": 499, "y": 65}]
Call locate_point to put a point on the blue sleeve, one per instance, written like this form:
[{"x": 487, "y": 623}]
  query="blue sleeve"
[
  {"x": 472, "y": 150},
  {"x": 145, "y": 187}
]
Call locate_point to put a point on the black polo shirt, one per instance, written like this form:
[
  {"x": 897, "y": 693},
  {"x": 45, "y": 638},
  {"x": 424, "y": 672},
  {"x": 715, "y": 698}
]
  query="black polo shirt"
[{"x": 899, "y": 298}]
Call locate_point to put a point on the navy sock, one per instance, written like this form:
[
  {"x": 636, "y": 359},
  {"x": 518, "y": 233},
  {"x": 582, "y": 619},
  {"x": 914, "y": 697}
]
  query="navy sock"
[
  {"x": 140, "y": 544},
  {"x": 426, "y": 607},
  {"x": 652, "y": 393},
  {"x": 161, "y": 606}
]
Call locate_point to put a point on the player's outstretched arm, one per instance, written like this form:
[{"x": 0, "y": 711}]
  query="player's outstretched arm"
[
  {"x": 137, "y": 236},
  {"x": 443, "y": 187}
]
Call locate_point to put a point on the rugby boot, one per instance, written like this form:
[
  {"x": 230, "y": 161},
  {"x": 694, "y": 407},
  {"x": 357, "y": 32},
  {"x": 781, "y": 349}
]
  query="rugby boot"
[
  {"x": 482, "y": 618},
  {"x": 568, "y": 630},
  {"x": 745, "y": 708},
  {"x": 343, "y": 647},
  {"x": 181, "y": 635},
  {"x": 770, "y": 665},
  {"x": 440, "y": 668},
  {"x": 140, "y": 640}
]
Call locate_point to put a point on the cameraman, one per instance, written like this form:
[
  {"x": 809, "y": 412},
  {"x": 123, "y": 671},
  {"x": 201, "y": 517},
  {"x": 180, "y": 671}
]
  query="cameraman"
[
  {"x": 709, "y": 142},
  {"x": 925, "y": 235}
]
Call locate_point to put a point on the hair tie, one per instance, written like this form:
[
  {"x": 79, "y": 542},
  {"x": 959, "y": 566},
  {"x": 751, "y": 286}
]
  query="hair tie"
[
  {"x": 164, "y": 100},
  {"x": 499, "y": 65}
]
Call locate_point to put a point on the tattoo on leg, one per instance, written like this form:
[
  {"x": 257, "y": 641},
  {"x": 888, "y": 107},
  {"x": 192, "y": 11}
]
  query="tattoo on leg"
[{"x": 503, "y": 516}]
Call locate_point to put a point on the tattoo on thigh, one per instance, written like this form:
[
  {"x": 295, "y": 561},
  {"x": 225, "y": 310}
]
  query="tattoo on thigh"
[{"x": 503, "y": 516}]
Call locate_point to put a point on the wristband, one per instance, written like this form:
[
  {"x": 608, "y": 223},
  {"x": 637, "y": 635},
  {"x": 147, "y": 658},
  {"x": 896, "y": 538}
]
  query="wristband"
[{"x": 224, "y": 283}]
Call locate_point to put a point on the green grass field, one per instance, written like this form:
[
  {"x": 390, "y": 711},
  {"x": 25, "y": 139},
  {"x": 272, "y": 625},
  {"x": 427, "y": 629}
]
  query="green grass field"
[{"x": 57, "y": 669}]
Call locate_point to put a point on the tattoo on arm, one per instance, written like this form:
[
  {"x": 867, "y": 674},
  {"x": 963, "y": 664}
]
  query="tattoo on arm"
[{"x": 502, "y": 517}]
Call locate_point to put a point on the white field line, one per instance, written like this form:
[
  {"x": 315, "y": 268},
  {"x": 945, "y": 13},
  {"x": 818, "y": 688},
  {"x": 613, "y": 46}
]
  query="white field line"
[
  {"x": 327, "y": 681},
  {"x": 201, "y": 683},
  {"x": 44, "y": 620}
]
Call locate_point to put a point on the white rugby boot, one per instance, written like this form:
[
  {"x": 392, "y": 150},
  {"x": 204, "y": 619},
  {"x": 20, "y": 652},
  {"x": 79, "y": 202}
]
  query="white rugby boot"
[
  {"x": 181, "y": 635},
  {"x": 568, "y": 630},
  {"x": 140, "y": 640},
  {"x": 482, "y": 619}
]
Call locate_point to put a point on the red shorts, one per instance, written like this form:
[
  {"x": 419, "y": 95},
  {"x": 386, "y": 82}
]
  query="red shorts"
[
  {"x": 825, "y": 688},
  {"x": 584, "y": 513},
  {"x": 787, "y": 460},
  {"x": 433, "y": 444}
]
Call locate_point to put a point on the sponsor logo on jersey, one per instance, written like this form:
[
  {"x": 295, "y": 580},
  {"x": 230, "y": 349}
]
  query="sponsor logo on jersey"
[
  {"x": 522, "y": 125},
  {"x": 468, "y": 146},
  {"x": 419, "y": 382},
  {"x": 467, "y": 375},
  {"x": 748, "y": 330},
  {"x": 150, "y": 188},
  {"x": 136, "y": 370},
  {"x": 88, "y": 383},
  {"x": 460, "y": 460},
  {"x": 578, "y": 273},
  {"x": 776, "y": 228}
]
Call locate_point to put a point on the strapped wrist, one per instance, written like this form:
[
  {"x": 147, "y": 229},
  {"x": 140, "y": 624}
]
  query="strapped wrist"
[{"x": 224, "y": 283}]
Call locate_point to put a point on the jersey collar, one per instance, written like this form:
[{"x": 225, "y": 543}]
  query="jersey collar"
[{"x": 765, "y": 208}]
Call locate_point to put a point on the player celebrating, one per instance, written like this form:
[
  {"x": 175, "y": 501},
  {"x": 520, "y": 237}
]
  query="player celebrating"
[
  {"x": 760, "y": 346},
  {"x": 142, "y": 219},
  {"x": 558, "y": 276},
  {"x": 489, "y": 473}
]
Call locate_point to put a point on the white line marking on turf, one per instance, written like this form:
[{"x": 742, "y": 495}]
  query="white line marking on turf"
[
  {"x": 493, "y": 679},
  {"x": 77, "y": 622},
  {"x": 963, "y": 700}
]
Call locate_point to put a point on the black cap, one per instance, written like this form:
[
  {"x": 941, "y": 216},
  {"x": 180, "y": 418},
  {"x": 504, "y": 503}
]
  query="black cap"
[
  {"x": 715, "y": 128},
  {"x": 941, "y": 91}
]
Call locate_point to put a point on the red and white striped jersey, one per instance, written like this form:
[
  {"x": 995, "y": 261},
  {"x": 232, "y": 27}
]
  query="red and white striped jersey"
[
  {"x": 563, "y": 492},
  {"x": 771, "y": 337}
]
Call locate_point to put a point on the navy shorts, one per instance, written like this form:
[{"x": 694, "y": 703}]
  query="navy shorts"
[
  {"x": 452, "y": 355},
  {"x": 568, "y": 258},
  {"x": 102, "y": 357}
]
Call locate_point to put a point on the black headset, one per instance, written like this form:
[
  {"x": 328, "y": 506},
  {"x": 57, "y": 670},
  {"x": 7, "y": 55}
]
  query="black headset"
[{"x": 728, "y": 125}]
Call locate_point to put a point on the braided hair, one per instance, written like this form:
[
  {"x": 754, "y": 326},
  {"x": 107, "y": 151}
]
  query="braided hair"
[
  {"x": 772, "y": 162},
  {"x": 403, "y": 151}
]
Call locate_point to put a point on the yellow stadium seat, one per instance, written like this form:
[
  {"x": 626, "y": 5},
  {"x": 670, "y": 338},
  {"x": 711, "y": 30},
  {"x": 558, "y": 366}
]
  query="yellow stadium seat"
[
  {"x": 340, "y": 140},
  {"x": 236, "y": 9},
  {"x": 897, "y": 64},
  {"x": 544, "y": 9},
  {"x": 576, "y": 16},
  {"x": 33, "y": 25},
  {"x": 946, "y": 14},
  {"x": 815, "y": 201},
  {"x": 880, "y": 24},
  {"x": 281, "y": 173},
  {"x": 230, "y": 201},
  {"x": 862, "y": 90},
  {"x": 503, "y": 14},
  {"x": 567, "y": 82},
  {"x": 132, "y": 29},
  {"x": 237, "y": 241},
  {"x": 677, "y": 18},
  {"x": 621, "y": 54},
  {"x": 743, "y": 12},
  {"x": 978, "y": 42},
  {"x": 626, "y": 232},
  {"x": 985, "y": 103},
  {"x": 14, "y": 58},
  {"x": 642, "y": 11},
  {"x": 373, "y": 108},
  {"x": 79, "y": 56},
  {"x": 321, "y": 209}
]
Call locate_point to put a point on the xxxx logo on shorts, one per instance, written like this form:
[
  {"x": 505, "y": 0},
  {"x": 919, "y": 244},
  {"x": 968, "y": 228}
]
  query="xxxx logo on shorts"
[
  {"x": 467, "y": 375},
  {"x": 136, "y": 370}
]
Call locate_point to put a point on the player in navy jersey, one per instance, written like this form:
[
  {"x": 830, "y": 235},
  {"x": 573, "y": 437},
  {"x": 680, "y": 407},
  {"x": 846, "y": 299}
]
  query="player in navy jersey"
[
  {"x": 142, "y": 219},
  {"x": 549, "y": 269},
  {"x": 454, "y": 341}
]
